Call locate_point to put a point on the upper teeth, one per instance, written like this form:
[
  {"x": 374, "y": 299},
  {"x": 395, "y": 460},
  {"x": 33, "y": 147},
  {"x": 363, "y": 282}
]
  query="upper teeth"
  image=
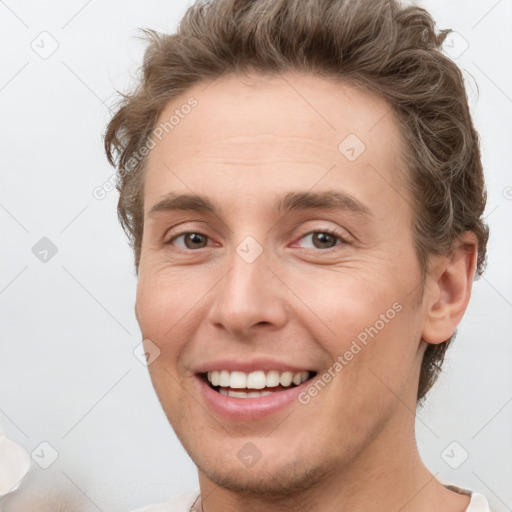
[{"x": 256, "y": 380}]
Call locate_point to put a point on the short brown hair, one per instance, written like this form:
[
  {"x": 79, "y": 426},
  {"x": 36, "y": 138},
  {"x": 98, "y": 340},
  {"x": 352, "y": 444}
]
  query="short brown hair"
[{"x": 391, "y": 50}]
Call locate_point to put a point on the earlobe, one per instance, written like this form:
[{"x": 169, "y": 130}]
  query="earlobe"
[{"x": 449, "y": 290}]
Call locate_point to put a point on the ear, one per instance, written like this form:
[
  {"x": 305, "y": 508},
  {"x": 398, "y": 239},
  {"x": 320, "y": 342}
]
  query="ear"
[{"x": 448, "y": 289}]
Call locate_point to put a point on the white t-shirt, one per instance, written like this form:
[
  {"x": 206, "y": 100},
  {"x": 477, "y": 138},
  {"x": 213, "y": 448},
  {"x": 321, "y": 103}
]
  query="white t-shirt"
[{"x": 184, "y": 502}]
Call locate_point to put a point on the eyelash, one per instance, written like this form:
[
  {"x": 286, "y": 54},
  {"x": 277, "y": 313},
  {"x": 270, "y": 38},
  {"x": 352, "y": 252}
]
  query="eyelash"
[{"x": 327, "y": 231}]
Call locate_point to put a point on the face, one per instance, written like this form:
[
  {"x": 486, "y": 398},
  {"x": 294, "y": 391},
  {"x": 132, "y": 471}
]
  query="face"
[{"x": 278, "y": 247}]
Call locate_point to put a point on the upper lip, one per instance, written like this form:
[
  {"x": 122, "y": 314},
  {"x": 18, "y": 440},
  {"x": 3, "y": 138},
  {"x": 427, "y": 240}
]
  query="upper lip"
[{"x": 248, "y": 366}]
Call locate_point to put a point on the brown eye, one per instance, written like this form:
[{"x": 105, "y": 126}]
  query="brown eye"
[
  {"x": 193, "y": 240},
  {"x": 321, "y": 240},
  {"x": 190, "y": 240}
]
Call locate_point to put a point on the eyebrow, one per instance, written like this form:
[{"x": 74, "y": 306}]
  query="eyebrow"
[
  {"x": 292, "y": 201},
  {"x": 330, "y": 200},
  {"x": 174, "y": 201}
]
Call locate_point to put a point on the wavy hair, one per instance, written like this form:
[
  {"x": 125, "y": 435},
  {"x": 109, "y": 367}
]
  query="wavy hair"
[{"x": 385, "y": 47}]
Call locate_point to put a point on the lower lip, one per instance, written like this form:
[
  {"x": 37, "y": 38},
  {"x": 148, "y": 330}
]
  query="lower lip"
[{"x": 243, "y": 409}]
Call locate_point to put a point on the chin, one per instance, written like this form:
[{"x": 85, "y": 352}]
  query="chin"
[
  {"x": 283, "y": 470},
  {"x": 265, "y": 479}
]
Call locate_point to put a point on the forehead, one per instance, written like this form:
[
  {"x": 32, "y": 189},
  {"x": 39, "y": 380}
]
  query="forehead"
[{"x": 294, "y": 125}]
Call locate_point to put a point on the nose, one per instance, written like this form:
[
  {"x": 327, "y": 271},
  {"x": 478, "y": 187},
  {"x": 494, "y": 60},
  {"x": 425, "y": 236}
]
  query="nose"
[{"x": 249, "y": 297}]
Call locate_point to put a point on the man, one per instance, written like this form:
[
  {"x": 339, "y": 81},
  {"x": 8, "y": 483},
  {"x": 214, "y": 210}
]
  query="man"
[{"x": 302, "y": 187}]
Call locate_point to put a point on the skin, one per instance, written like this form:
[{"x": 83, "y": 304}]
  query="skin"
[{"x": 249, "y": 141}]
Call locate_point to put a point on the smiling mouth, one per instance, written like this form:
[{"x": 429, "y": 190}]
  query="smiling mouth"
[{"x": 255, "y": 384}]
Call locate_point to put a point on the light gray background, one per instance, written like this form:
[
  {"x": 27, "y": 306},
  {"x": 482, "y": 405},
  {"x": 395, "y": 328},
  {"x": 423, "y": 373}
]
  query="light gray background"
[{"x": 68, "y": 375}]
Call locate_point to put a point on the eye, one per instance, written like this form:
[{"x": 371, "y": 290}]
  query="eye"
[
  {"x": 324, "y": 239},
  {"x": 190, "y": 240}
]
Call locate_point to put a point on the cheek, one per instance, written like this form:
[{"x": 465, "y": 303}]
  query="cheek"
[
  {"x": 344, "y": 303},
  {"x": 367, "y": 320},
  {"x": 385, "y": 365},
  {"x": 164, "y": 310}
]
